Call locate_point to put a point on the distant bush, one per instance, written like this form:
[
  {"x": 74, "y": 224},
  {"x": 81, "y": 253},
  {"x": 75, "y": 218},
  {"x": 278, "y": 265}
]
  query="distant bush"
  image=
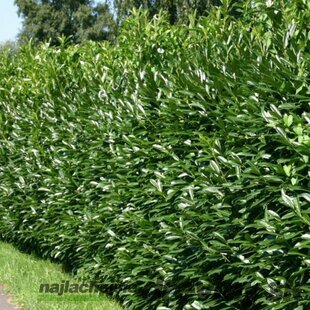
[
  {"x": 9, "y": 48},
  {"x": 171, "y": 168}
]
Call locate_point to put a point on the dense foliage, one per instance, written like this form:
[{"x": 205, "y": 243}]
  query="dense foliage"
[
  {"x": 177, "y": 10},
  {"x": 171, "y": 168}
]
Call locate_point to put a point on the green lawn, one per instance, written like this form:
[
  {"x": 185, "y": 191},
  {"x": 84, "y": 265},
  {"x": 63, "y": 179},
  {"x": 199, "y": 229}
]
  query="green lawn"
[{"x": 22, "y": 275}]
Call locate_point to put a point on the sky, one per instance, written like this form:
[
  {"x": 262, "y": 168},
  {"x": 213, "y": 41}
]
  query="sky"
[{"x": 10, "y": 23}]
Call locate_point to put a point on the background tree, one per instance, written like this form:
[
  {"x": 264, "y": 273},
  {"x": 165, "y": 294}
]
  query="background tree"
[{"x": 51, "y": 19}]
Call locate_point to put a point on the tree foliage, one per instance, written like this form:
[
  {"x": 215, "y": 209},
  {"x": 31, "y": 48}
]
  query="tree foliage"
[{"x": 51, "y": 19}]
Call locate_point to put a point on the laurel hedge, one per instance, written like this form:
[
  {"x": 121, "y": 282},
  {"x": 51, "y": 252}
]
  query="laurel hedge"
[{"x": 171, "y": 168}]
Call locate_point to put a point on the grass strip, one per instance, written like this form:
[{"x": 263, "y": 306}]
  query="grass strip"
[{"x": 23, "y": 274}]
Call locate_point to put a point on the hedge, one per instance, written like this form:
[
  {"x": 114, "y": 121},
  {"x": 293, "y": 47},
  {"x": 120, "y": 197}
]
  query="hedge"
[{"x": 171, "y": 168}]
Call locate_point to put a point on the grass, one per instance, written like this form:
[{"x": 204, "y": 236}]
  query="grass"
[{"x": 22, "y": 275}]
